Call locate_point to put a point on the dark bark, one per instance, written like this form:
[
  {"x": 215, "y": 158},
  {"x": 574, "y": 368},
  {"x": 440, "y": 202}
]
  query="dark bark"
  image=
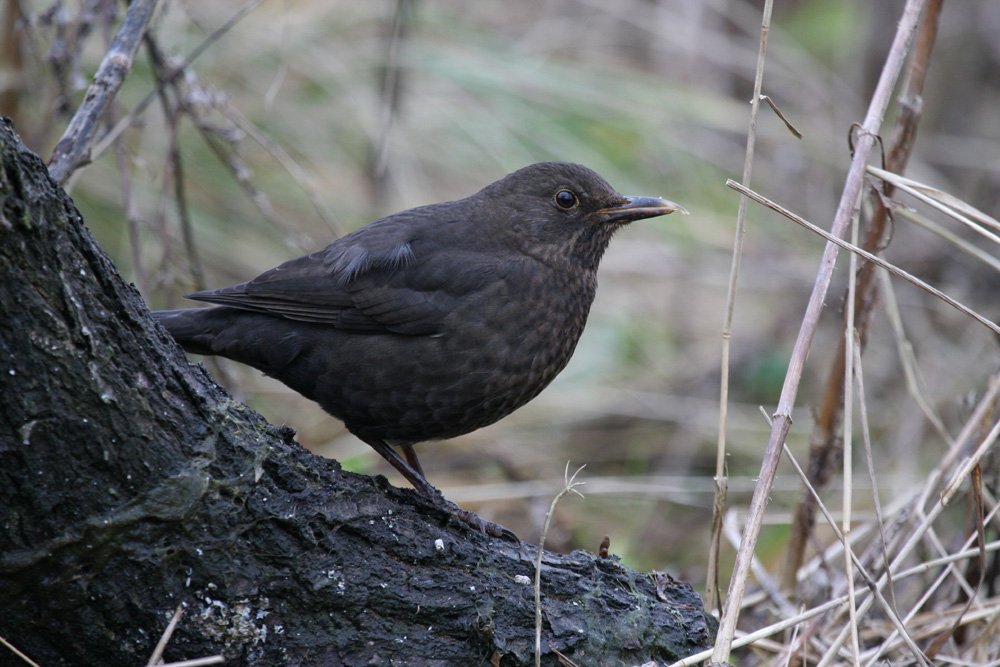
[{"x": 131, "y": 483}]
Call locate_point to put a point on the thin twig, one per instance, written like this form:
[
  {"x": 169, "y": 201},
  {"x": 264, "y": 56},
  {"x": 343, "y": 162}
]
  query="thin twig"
[
  {"x": 770, "y": 588},
  {"x": 873, "y": 587},
  {"x": 73, "y": 149},
  {"x": 175, "y": 162},
  {"x": 297, "y": 171},
  {"x": 772, "y": 629},
  {"x": 913, "y": 538},
  {"x": 197, "y": 662},
  {"x": 927, "y": 566},
  {"x": 831, "y": 605},
  {"x": 833, "y": 239},
  {"x": 168, "y": 632},
  {"x": 870, "y": 459},
  {"x": 971, "y": 427},
  {"x": 570, "y": 485},
  {"x": 712, "y": 592},
  {"x": 848, "y": 468},
  {"x": 915, "y": 385},
  {"x": 969, "y": 464},
  {"x": 129, "y": 119},
  {"x": 949, "y": 236},
  {"x": 948, "y": 204},
  {"x": 18, "y": 653}
]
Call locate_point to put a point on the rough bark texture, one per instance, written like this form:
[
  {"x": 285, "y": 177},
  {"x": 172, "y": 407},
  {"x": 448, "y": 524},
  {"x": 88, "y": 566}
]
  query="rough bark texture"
[{"x": 131, "y": 483}]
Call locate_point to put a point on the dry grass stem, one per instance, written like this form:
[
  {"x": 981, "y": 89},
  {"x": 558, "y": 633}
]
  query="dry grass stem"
[
  {"x": 768, "y": 585},
  {"x": 848, "y": 483},
  {"x": 906, "y": 29},
  {"x": 825, "y": 444},
  {"x": 713, "y": 594},
  {"x": 913, "y": 539},
  {"x": 835, "y": 240},
  {"x": 969, "y": 465},
  {"x": 951, "y": 237},
  {"x": 157, "y": 656},
  {"x": 156, "y": 659},
  {"x": 851, "y": 629},
  {"x": 838, "y": 602},
  {"x": 197, "y": 662},
  {"x": 872, "y": 477},
  {"x": 915, "y": 385},
  {"x": 19, "y": 654},
  {"x": 570, "y": 485},
  {"x": 948, "y": 204},
  {"x": 914, "y": 625}
]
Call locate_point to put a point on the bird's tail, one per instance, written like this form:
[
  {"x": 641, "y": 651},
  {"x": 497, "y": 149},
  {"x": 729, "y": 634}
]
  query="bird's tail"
[
  {"x": 189, "y": 328},
  {"x": 267, "y": 343}
]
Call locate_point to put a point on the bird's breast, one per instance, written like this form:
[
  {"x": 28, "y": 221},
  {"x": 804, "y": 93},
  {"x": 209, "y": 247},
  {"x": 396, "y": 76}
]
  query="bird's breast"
[
  {"x": 521, "y": 332},
  {"x": 500, "y": 347}
]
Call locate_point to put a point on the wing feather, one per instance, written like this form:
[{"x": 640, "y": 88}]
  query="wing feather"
[{"x": 386, "y": 277}]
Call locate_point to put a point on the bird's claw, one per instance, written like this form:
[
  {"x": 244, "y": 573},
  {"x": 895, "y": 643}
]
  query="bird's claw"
[{"x": 472, "y": 519}]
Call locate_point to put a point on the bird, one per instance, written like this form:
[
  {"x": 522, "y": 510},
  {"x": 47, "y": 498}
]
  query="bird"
[{"x": 432, "y": 322}]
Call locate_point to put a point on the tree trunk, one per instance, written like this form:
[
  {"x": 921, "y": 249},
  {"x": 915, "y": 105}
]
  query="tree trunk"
[{"x": 130, "y": 483}]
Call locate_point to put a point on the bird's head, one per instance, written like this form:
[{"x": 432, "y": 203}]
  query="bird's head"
[{"x": 560, "y": 211}]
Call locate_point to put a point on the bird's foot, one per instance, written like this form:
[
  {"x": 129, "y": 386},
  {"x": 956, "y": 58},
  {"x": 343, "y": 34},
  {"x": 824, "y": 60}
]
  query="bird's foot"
[
  {"x": 468, "y": 517},
  {"x": 432, "y": 493}
]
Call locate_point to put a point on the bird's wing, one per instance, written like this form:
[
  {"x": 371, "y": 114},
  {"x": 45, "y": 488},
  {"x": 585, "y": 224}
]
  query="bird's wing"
[{"x": 383, "y": 278}]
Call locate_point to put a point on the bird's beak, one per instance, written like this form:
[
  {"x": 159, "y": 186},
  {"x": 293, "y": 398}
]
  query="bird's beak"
[{"x": 638, "y": 208}]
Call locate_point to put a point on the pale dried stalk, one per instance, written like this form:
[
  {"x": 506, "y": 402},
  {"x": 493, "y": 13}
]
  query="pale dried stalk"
[
  {"x": 197, "y": 662},
  {"x": 837, "y": 241},
  {"x": 852, "y": 559},
  {"x": 948, "y": 204},
  {"x": 949, "y": 236},
  {"x": 870, "y": 460},
  {"x": 833, "y": 604},
  {"x": 570, "y": 485},
  {"x": 767, "y": 583},
  {"x": 962, "y": 554},
  {"x": 825, "y": 440},
  {"x": 968, "y": 464},
  {"x": 13, "y": 649},
  {"x": 157, "y": 657},
  {"x": 848, "y": 482},
  {"x": 915, "y": 537},
  {"x": 721, "y": 480},
  {"x": 783, "y": 415},
  {"x": 908, "y": 360}
]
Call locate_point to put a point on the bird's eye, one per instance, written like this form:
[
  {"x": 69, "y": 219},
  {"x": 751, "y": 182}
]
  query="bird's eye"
[{"x": 565, "y": 199}]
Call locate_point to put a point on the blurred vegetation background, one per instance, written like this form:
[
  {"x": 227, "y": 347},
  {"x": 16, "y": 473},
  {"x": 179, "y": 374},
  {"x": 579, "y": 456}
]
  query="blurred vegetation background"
[{"x": 307, "y": 119}]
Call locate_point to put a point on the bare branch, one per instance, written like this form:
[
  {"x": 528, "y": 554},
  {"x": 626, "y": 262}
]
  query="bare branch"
[{"x": 73, "y": 150}]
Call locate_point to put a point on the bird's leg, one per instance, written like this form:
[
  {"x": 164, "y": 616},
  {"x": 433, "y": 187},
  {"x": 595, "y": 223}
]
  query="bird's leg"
[
  {"x": 431, "y": 492},
  {"x": 410, "y": 454}
]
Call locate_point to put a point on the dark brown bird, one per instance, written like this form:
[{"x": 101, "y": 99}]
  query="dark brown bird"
[{"x": 432, "y": 322}]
